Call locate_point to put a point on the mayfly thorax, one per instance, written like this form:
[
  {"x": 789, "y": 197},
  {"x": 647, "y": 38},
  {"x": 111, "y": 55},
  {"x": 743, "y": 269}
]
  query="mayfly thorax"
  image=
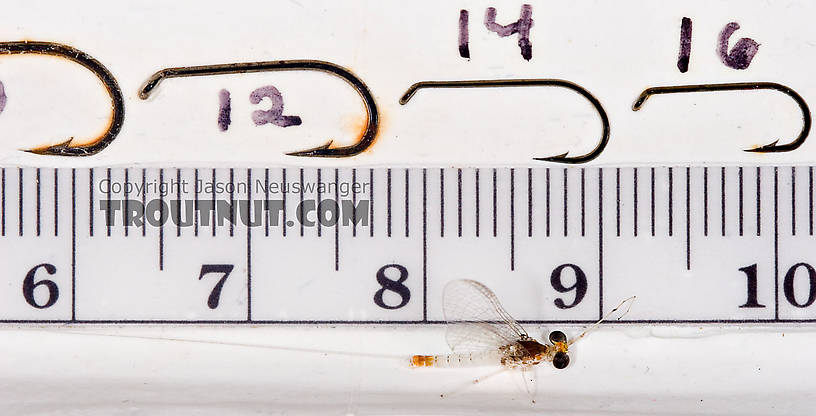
[{"x": 481, "y": 333}]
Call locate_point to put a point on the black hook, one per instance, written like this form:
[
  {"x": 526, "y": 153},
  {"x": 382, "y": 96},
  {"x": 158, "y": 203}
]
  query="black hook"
[
  {"x": 372, "y": 123},
  {"x": 768, "y": 148},
  {"x": 82, "y": 58},
  {"x": 562, "y": 158}
]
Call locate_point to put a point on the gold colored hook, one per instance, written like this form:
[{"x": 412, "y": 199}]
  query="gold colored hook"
[{"x": 112, "y": 87}]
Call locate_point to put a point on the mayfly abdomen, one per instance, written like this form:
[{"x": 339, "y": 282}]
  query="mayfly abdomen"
[{"x": 473, "y": 359}]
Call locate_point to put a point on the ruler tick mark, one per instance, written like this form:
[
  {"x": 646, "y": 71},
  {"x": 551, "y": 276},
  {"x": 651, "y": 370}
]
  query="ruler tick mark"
[
  {"x": 441, "y": 202},
  {"x": 284, "y": 226},
  {"x": 56, "y": 202},
  {"x": 371, "y": 203},
  {"x": 776, "y": 238},
  {"x": 300, "y": 207},
  {"x": 38, "y": 201},
  {"x": 353, "y": 202},
  {"x": 3, "y": 202},
  {"x": 388, "y": 202},
  {"x": 109, "y": 212},
  {"x": 20, "y": 200},
  {"x": 566, "y": 192},
  {"x": 319, "y": 200},
  {"x": 91, "y": 202},
  {"x": 459, "y": 200},
  {"x": 793, "y": 200},
  {"x": 740, "y": 199},
  {"x": 635, "y": 201},
  {"x": 249, "y": 242},
  {"x": 583, "y": 204},
  {"x": 127, "y": 202},
  {"x": 722, "y": 199},
  {"x": 407, "y": 198},
  {"x": 529, "y": 202},
  {"x": 161, "y": 219},
  {"x": 512, "y": 219},
  {"x": 144, "y": 202},
  {"x": 73, "y": 244},
  {"x": 759, "y": 199},
  {"x": 617, "y": 202},
  {"x": 477, "y": 203},
  {"x": 653, "y": 201},
  {"x": 671, "y": 201},
  {"x": 810, "y": 198},
  {"x": 232, "y": 202},
  {"x": 600, "y": 244},
  {"x": 266, "y": 201},
  {"x": 336, "y": 223},
  {"x": 705, "y": 201},
  {"x": 424, "y": 241},
  {"x": 547, "y": 201},
  {"x": 195, "y": 202},
  {"x": 495, "y": 222},
  {"x": 688, "y": 218},
  {"x": 178, "y": 202}
]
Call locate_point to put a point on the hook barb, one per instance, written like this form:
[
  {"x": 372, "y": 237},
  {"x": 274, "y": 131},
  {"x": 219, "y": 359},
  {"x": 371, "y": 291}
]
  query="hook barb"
[
  {"x": 496, "y": 83},
  {"x": 87, "y": 61},
  {"x": 325, "y": 150},
  {"x": 772, "y": 147}
]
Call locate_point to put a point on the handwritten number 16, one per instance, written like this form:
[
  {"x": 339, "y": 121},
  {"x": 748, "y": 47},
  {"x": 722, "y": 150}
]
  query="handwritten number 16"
[{"x": 739, "y": 57}]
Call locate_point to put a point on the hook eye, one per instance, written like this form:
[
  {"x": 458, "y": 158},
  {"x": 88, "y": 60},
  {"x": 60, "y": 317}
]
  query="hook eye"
[
  {"x": 494, "y": 83},
  {"x": 372, "y": 122},
  {"x": 112, "y": 87},
  {"x": 561, "y": 360},
  {"x": 557, "y": 336},
  {"x": 772, "y": 147}
]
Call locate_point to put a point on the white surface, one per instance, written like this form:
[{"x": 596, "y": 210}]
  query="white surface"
[
  {"x": 625, "y": 370},
  {"x": 614, "y": 49}
]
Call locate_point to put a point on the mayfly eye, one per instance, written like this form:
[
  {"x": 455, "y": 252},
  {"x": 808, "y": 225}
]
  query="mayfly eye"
[
  {"x": 557, "y": 336},
  {"x": 561, "y": 360}
]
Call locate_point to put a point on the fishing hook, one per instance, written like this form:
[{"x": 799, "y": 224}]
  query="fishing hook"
[
  {"x": 82, "y": 58},
  {"x": 562, "y": 158},
  {"x": 768, "y": 148},
  {"x": 372, "y": 115}
]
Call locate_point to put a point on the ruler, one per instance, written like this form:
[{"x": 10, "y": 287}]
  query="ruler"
[{"x": 701, "y": 244}]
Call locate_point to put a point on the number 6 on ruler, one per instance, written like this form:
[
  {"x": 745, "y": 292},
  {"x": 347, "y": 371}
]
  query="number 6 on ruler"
[{"x": 225, "y": 270}]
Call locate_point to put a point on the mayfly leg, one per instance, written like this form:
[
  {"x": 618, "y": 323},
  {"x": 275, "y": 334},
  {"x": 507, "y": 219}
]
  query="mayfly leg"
[
  {"x": 528, "y": 377},
  {"x": 474, "y": 382}
]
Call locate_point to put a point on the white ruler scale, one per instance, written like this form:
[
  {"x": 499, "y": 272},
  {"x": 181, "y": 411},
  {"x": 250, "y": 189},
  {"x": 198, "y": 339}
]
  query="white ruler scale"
[{"x": 703, "y": 244}]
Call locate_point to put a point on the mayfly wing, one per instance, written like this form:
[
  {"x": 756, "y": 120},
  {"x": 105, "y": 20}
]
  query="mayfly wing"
[
  {"x": 476, "y": 319},
  {"x": 476, "y": 337}
]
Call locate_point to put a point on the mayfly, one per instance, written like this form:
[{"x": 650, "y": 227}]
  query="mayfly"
[{"x": 481, "y": 333}]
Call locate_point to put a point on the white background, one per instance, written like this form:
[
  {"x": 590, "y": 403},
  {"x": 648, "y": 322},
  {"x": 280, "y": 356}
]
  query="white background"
[{"x": 614, "y": 49}]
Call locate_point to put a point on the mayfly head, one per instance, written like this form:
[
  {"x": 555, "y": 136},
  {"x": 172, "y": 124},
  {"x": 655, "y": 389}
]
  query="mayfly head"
[{"x": 560, "y": 348}]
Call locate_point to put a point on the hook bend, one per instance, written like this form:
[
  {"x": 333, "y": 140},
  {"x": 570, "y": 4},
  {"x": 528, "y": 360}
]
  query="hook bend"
[
  {"x": 772, "y": 147},
  {"x": 495, "y": 83},
  {"x": 372, "y": 114},
  {"x": 112, "y": 87}
]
